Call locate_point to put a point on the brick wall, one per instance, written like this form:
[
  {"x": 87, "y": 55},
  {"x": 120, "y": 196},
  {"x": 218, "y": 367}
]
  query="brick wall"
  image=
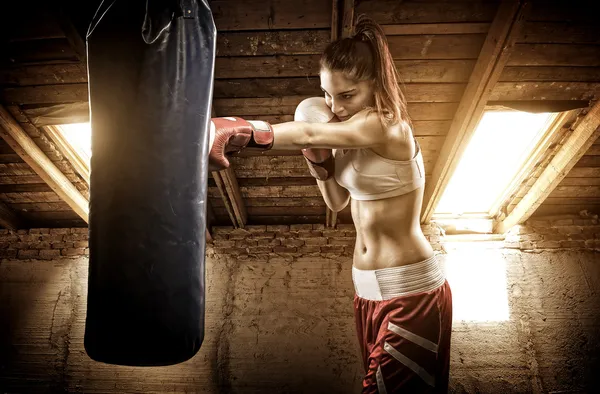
[
  {"x": 43, "y": 243},
  {"x": 297, "y": 240},
  {"x": 304, "y": 240},
  {"x": 556, "y": 232}
]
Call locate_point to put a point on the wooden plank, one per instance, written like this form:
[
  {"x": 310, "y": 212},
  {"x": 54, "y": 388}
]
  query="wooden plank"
[
  {"x": 436, "y": 28},
  {"x": 287, "y": 181},
  {"x": 547, "y": 210},
  {"x": 572, "y": 200},
  {"x": 582, "y": 137},
  {"x": 560, "y": 33},
  {"x": 494, "y": 54},
  {"x": 419, "y": 71},
  {"x": 43, "y": 216},
  {"x": 274, "y": 191},
  {"x": 20, "y": 188},
  {"x": 257, "y": 106},
  {"x": 17, "y": 180},
  {"x": 46, "y": 94},
  {"x": 584, "y": 173},
  {"x": 575, "y": 191},
  {"x": 335, "y": 19},
  {"x": 270, "y": 152},
  {"x": 281, "y": 220},
  {"x": 56, "y": 50},
  {"x": 47, "y": 74},
  {"x": 310, "y": 86},
  {"x": 10, "y": 158},
  {"x": 555, "y": 55},
  {"x": 277, "y": 211},
  {"x": 458, "y": 46},
  {"x": 262, "y": 43},
  {"x": 40, "y": 206},
  {"x": 284, "y": 106},
  {"x": 568, "y": 181},
  {"x": 37, "y": 25},
  {"x": 16, "y": 169},
  {"x": 389, "y": 12},
  {"x": 23, "y": 145},
  {"x": 264, "y": 66},
  {"x": 32, "y": 197},
  {"x": 539, "y": 106},
  {"x": 533, "y": 73},
  {"x": 434, "y": 70},
  {"x": 270, "y": 14},
  {"x": 588, "y": 161},
  {"x": 280, "y": 202},
  {"x": 545, "y": 90},
  {"x": 594, "y": 150},
  {"x": 267, "y": 87},
  {"x": 73, "y": 37},
  {"x": 561, "y": 11},
  {"x": 347, "y": 17},
  {"x": 9, "y": 219}
]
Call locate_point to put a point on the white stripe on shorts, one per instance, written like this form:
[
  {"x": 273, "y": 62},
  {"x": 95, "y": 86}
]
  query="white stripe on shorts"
[
  {"x": 414, "y": 338},
  {"x": 416, "y": 368}
]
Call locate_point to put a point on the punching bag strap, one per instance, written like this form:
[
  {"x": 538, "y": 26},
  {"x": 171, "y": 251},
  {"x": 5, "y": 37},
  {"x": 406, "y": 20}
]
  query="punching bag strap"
[
  {"x": 189, "y": 9},
  {"x": 158, "y": 18},
  {"x": 100, "y": 12}
]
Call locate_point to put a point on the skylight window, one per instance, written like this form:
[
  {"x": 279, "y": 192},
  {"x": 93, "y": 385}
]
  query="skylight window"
[
  {"x": 75, "y": 142},
  {"x": 498, "y": 149}
]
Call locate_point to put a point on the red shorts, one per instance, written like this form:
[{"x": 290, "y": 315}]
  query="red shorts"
[{"x": 405, "y": 341}]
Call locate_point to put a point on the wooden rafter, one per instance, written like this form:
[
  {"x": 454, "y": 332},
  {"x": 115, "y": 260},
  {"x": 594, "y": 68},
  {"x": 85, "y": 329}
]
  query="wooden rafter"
[
  {"x": 231, "y": 195},
  {"x": 494, "y": 54},
  {"x": 26, "y": 148},
  {"x": 575, "y": 146}
]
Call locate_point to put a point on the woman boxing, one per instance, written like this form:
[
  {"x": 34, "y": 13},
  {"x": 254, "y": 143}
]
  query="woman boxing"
[{"x": 359, "y": 145}]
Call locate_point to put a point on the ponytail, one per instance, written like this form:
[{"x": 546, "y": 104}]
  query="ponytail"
[{"x": 366, "y": 56}]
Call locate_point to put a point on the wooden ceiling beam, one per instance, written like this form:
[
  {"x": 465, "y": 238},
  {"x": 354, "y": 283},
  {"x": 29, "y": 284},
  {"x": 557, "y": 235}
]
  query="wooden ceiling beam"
[
  {"x": 577, "y": 143},
  {"x": 494, "y": 54},
  {"x": 26, "y": 148}
]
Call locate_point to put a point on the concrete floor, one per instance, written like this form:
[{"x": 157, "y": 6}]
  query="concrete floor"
[{"x": 524, "y": 323}]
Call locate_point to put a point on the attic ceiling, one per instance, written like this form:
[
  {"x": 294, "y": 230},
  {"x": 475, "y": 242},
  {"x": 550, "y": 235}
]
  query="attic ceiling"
[{"x": 454, "y": 58}]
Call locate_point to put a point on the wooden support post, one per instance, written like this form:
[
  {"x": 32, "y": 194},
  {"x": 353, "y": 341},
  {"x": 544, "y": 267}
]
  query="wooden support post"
[
  {"x": 210, "y": 219},
  {"x": 575, "y": 146},
  {"x": 231, "y": 195},
  {"x": 493, "y": 56},
  {"x": 24, "y": 146}
]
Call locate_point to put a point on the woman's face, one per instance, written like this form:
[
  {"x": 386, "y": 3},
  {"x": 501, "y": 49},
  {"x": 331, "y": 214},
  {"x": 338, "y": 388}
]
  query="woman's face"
[{"x": 344, "y": 96}]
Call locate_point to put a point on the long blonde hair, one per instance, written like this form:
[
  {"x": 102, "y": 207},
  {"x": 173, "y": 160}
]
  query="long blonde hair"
[{"x": 365, "y": 56}]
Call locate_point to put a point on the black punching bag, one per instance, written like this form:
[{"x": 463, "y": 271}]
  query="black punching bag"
[{"x": 151, "y": 68}]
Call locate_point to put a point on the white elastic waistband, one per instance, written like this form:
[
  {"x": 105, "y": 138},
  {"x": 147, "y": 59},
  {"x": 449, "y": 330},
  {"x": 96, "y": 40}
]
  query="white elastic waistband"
[{"x": 387, "y": 283}]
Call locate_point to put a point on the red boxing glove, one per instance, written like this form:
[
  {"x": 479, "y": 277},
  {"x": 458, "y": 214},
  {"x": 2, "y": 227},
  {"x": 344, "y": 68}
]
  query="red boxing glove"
[
  {"x": 232, "y": 134},
  {"x": 321, "y": 163}
]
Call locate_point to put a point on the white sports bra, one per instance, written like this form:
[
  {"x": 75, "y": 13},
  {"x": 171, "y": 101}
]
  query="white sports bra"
[{"x": 369, "y": 176}]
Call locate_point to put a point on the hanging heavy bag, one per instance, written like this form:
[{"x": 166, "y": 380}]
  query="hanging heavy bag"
[{"x": 151, "y": 68}]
